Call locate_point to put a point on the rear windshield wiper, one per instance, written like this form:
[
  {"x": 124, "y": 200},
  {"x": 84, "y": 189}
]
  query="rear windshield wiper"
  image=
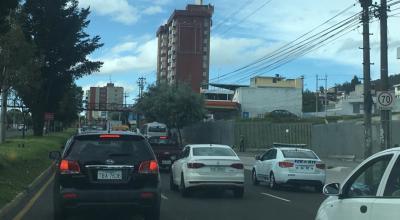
[{"x": 119, "y": 155}]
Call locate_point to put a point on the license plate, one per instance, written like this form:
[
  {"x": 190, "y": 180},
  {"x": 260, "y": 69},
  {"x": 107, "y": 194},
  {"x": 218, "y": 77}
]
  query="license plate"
[
  {"x": 109, "y": 175},
  {"x": 166, "y": 162},
  {"x": 217, "y": 169},
  {"x": 304, "y": 168}
]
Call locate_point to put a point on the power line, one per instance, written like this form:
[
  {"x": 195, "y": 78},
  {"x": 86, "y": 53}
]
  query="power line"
[
  {"x": 227, "y": 18},
  {"x": 284, "y": 47},
  {"x": 245, "y": 18},
  {"x": 304, "y": 43}
]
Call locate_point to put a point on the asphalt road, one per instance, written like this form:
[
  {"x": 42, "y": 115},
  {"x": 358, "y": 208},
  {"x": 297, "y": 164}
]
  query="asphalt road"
[{"x": 259, "y": 202}]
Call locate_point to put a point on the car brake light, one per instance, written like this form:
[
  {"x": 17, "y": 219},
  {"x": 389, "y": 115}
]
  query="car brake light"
[
  {"x": 150, "y": 166},
  {"x": 69, "y": 167},
  {"x": 237, "y": 166},
  {"x": 70, "y": 196},
  {"x": 110, "y": 136},
  {"x": 163, "y": 137},
  {"x": 146, "y": 195},
  {"x": 195, "y": 165},
  {"x": 285, "y": 164},
  {"x": 320, "y": 166}
]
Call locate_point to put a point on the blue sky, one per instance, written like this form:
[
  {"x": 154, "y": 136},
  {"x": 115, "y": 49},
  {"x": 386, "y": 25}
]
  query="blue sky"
[{"x": 244, "y": 30}]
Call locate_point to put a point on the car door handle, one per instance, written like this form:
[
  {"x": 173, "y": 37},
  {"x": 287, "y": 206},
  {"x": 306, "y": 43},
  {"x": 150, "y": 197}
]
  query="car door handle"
[{"x": 363, "y": 209}]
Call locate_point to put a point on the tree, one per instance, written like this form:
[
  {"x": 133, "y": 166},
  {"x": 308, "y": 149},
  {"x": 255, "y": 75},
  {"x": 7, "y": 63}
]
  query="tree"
[
  {"x": 57, "y": 29},
  {"x": 6, "y": 7},
  {"x": 174, "y": 105},
  {"x": 309, "y": 99},
  {"x": 70, "y": 105}
]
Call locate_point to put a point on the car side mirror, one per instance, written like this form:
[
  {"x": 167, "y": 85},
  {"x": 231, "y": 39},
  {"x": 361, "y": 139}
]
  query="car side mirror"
[
  {"x": 55, "y": 155},
  {"x": 332, "y": 189},
  {"x": 257, "y": 157}
]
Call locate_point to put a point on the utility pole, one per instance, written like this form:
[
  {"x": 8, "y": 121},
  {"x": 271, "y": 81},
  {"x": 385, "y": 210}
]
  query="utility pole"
[
  {"x": 365, "y": 4},
  {"x": 385, "y": 114},
  {"x": 316, "y": 97},
  {"x": 141, "y": 82},
  {"x": 326, "y": 96}
]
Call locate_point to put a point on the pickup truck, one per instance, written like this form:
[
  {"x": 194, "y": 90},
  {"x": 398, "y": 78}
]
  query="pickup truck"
[{"x": 166, "y": 150}]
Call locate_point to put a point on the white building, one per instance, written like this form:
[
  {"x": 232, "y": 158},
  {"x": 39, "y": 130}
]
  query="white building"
[
  {"x": 108, "y": 97},
  {"x": 397, "y": 90},
  {"x": 267, "y": 94}
]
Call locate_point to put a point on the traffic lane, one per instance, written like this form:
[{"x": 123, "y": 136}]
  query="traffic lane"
[{"x": 258, "y": 202}]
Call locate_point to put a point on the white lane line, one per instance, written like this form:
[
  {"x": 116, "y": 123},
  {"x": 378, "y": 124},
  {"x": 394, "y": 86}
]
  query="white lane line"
[
  {"x": 276, "y": 197},
  {"x": 164, "y": 197}
]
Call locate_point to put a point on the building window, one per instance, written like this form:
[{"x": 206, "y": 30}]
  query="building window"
[{"x": 204, "y": 74}]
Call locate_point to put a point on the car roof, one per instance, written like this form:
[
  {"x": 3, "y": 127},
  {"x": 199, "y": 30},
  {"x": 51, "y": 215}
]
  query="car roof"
[
  {"x": 209, "y": 145},
  {"x": 111, "y": 132},
  {"x": 390, "y": 149},
  {"x": 292, "y": 148}
]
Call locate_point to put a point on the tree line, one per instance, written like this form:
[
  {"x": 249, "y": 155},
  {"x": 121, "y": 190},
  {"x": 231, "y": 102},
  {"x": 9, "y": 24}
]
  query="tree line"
[{"x": 44, "y": 48}]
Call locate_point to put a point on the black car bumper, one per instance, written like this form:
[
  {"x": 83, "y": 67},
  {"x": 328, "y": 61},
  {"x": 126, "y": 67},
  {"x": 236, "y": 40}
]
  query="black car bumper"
[{"x": 143, "y": 199}]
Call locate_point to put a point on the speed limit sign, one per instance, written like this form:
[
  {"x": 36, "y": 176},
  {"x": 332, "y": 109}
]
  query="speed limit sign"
[{"x": 385, "y": 100}]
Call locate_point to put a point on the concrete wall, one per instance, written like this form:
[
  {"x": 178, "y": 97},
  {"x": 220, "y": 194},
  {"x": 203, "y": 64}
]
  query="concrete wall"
[
  {"x": 258, "y": 101},
  {"x": 217, "y": 132}
]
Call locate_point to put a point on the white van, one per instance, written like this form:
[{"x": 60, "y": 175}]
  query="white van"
[{"x": 154, "y": 129}]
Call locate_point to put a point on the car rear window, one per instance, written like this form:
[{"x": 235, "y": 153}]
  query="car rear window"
[
  {"x": 299, "y": 154},
  {"x": 157, "y": 129},
  {"x": 93, "y": 147},
  {"x": 213, "y": 151}
]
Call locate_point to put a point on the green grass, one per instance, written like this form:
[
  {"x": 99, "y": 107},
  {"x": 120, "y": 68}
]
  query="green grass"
[{"x": 19, "y": 166}]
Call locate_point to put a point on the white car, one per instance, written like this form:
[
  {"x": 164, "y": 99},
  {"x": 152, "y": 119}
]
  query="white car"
[
  {"x": 207, "y": 165},
  {"x": 291, "y": 166},
  {"x": 372, "y": 191}
]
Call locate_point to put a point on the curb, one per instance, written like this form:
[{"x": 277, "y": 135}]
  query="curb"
[{"x": 11, "y": 209}]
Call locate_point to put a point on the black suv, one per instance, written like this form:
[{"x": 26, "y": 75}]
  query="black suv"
[{"x": 116, "y": 169}]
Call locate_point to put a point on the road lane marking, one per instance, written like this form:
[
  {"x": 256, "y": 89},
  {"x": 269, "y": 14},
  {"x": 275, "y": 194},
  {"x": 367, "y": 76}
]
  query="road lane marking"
[
  {"x": 164, "y": 197},
  {"x": 31, "y": 202},
  {"x": 276, "y": 197}
]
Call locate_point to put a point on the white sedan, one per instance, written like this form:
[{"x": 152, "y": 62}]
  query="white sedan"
[
  {"x": 372, "y": 191},
  {"x": 208, "y": 165},
  {"x": 291, "y": 166}
]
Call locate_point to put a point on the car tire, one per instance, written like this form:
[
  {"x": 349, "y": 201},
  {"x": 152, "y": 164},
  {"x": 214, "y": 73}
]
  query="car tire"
[
  {"x": 254, "y": 178},
  {"x": 183, "y": 190},
  {"x": 238, "y": 192},
  {"x": 153, "y": 214},
  {"x": 272, "y": 183},
  {"x": 318, "y": 188},
  {"x": 172, "y": 185}
]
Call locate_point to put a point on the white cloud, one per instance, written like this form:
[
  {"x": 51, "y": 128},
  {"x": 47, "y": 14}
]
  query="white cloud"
[
  {"x": 124, "y": 47},
  {"x": 120, "y": 10},
  {"x": 152, "y": 10},
  {"x": 144, "y": 58}
]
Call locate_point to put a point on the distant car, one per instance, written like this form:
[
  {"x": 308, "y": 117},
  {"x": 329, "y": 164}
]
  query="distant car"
[
  {"x": 371, "y": 191},
  {"x": 165, "y": 149},
  {"x": 291, "y": 166},
  {"x": 116, "y": 169},
  {"x": 207, "y": 166},
  {"x": 282, "y": 114}
]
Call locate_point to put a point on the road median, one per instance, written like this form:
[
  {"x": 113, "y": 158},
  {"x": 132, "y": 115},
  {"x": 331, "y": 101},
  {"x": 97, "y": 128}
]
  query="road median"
[{"x": 24, "y": 167}]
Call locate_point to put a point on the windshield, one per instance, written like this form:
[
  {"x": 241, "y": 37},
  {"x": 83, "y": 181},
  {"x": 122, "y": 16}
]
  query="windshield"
[
  {"x": 251, "y": 81},
  {"x": 213, "y": 152},
  {"x": 299, "y": 154}
]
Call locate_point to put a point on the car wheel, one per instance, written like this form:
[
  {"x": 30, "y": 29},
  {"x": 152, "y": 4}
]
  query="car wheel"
[
  {"x": 153, "y": 214},
  {"x": 172, "y": 185},
  {"x": 183, "y": 190},
  {"x": 238, "y": 192},
  {"x": 254, "y": 178},
  {"x": 272, "y": 183},
  {"x": 318, "y": 188}
]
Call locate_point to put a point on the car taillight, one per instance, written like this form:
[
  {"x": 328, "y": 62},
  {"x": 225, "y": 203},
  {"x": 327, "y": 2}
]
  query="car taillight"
[
  {"x": 163, "y": 137},
  {"x": 237, "y": 166},
  {"x": 195, "y": 165},
  {"x": 110, "y": 136},
  {"x": 150, "y": 166},
  {"x": 320, "y": 166},
  {"x": 285, "y": 164},
  {"x": 69, "y": 167}
]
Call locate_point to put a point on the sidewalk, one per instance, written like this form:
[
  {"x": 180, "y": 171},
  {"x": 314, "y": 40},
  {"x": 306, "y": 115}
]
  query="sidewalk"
[{"x": 337, "y": 170}]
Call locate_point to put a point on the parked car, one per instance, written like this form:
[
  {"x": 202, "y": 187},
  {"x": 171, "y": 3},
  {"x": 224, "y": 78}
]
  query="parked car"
[
  {"x": 206, "y": 166},
  {"x": 165, "y": 149},
  {"x": 106, "y": 170},
  {"x": 282, "y": 114},
  {"x": 291, "y": 166},
  {"x": 371, "y": 191}
]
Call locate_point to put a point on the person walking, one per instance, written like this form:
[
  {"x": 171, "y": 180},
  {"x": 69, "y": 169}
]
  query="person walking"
[{"x": 241, "y": 145}]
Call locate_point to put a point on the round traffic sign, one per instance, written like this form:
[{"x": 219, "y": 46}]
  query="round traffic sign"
[{"x": 385, "y": 99}]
